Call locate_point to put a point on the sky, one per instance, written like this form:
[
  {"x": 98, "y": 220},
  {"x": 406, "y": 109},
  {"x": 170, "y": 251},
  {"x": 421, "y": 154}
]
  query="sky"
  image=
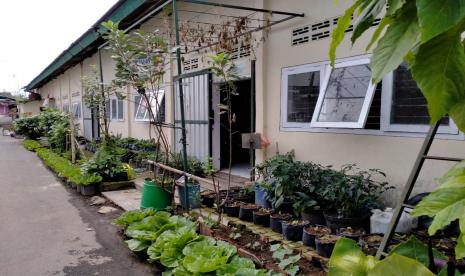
[{"x": 34, "y": 32}]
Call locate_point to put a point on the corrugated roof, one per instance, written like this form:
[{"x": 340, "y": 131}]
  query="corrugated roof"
[{"x": 124, "y": 11}]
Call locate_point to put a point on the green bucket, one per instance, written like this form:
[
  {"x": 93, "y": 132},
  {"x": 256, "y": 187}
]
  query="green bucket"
[{"x": 154, "y": 197}]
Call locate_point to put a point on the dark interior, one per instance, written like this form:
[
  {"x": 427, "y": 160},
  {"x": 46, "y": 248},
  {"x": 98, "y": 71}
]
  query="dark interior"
[{"x": 241, "y": 109}]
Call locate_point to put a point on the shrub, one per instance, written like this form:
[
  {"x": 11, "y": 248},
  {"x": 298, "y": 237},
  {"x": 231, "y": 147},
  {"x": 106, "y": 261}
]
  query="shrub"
[
  {"x": 104, "y": 163},
  {"x": 54, "y": 125},
  {"x": 66, "y": 169},
  {"x": 28, "y": 127},
  {"x": 31, "y": 145}
]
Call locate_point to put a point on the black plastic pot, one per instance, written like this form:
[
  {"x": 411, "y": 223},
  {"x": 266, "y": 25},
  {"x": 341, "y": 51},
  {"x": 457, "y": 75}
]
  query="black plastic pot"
[
  {"x": 276, "y": 223},
  {"x": 246, "y": 212},
  {"x": 335, "y": 223},
  {"x": 208, "y": 200},
  {"x": 354, "y": 236},
  {"x": 261, "y": 219},
  {"x": 250, "y": 198},
  {"x": 314, "y": 218},
  {"x": 122, "y": 176},
  {"x": 292, "y": 232},
  {"x": 87, "y": 190},
  {"x": 232, "y": 211},
  {"x": 308, "y": 239},
  {"x": 285, "y": 207},
  {"x": 324, "y": 249}
]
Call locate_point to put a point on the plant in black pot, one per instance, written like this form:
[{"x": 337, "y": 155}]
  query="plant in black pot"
[
  {"x": 308, "y": 209},
  {"x": 276, "y": 221},
  {"x": 246, "y": 212},
  {"x": 311, "y": 232},
  {"x": 262, "y": 217},
  {"x": 107, "y": 165},
  {"x": 293, "y": 229},
  {"x": 351, "y": 194}
]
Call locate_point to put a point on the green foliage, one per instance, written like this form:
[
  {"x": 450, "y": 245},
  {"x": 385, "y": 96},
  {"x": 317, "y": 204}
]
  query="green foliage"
[
  {"x": 446, "y": 204},
  {"x": 66, "y": 169},
  {"x": 350, "y": 191},
  {"x": 28, "y": 127},
  {"x": 31, "y": 145},
  {"x": 287, "y": 261},
  {"x": 415, "y": 249},
  {"x": 427, "y": 35},
  {"x": 54, "y": 125},
  {"x": 174, "y": 242},
  {"x": 348, "y": 259},
  {"x": 104, "y": 163}
]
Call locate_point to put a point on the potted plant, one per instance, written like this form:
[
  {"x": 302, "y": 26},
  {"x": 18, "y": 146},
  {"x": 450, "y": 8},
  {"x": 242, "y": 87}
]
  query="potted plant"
[
  {"x": 276, "y": 220},
  {"x": 155, "y": 196},
  {"x": 293, "y": 229},
  {"x": 308, "y": 209},
  {"x": 193, "y": 194},
  {"x": 89, "y": 184},
  {"x": 232, "y": 208},
  {"x": 208, "y": 198},
  {"x": 246, "y": 212},
  {"x": 351, "y": 194},
  {"x": 370, "y": 243},
  {"x": 325, "y": 245},
  {"x": 351, "y": 233},
  {"x": 261, "y": 196},
  {"x": 262, "y": 216},
  {"x": 247, "y": 194},
  {"x": 311, "y": 232}
]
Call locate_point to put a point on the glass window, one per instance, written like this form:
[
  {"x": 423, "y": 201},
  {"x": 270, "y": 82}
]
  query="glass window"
[
  {"x": 120, "y": 110},
  {"x": 65, "y": 108},
  {"x": 347, "y": 96},
  {"x": 302, "y": 93},
  {"x": 77, "y": 110},
  {"x": 114, "y": 109},
  {"x": 156, "y": 100}
]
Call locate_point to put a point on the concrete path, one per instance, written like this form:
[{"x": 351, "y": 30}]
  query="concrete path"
[{"x": 46, "y": 229}]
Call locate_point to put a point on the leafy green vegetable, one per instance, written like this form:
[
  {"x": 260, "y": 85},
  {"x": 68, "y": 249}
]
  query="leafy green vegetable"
[
  {"x": 130, "y": 217},
  {"x": 240, "y": 267},
  {"x": 207, "y": 255},
  {"x": 170, "y": 244},
  {"x": 137, "y": 245}
]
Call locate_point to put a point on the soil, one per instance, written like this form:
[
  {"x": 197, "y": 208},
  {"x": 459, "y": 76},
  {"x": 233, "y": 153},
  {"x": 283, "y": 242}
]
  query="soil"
[
  {"x": 234, "y": 204},
  {"x": 318, "y": 230},
  {"x": 297, "y": 222},
  {"x": 281, "y": 216},
  {"x": 349, "y": 231},
  {"x": 262, "y": 252},
  {"x": 263, "y": 211},
  {"x": 373, "y": 239},
  {"x": 328, "y": 239},
  {"x": 249, "y": 206}
]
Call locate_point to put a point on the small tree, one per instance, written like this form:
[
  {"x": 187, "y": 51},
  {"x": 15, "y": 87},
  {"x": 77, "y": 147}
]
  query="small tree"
[
  {"x": 224, "y": 68},
  {"x": 140, "y": 64},
  {"x": 96, "y": 95}
]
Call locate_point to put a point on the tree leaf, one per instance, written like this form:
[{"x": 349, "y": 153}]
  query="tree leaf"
[
  {"x": 338, "y": 33},
  {"x": 460, "y": 247},
  {"x": 415, "y": 249},
  {"x": 397, "y": 265},
  {"x": 394, "y": 5},
  {"x": 457, "y": 113},
  {"x": 439, "y": 70},
  {"x": 385, "y": 21},
  {"x": 437, "y": 17},
  {"x": 348, "y": 259},
  {"x": 369, "y": 13},
  {"x": 400, "y": 37}
]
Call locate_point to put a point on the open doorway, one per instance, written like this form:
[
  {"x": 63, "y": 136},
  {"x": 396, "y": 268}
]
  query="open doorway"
[{"x": 241, "y": 110}]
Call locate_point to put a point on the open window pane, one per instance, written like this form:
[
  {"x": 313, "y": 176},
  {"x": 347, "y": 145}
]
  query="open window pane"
[
  {"x": 142, "y": 112},
  {"x": 347, "y": 96},
  {"x": 302, "y": 94}
]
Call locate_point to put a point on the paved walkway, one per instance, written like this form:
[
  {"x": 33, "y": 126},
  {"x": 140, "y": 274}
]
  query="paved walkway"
[{"x": 45, "y": 229}]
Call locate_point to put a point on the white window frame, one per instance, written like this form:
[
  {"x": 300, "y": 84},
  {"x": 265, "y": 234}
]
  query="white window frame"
[
  {"x": 386, "y": 109},
  {"x": 117, "y": 110},
  {"x": 146, "y": 117},
  {"x": 285, "y": 73},
  {"x": 74, "y": 107},
  {"x": 366, "y": 103}
]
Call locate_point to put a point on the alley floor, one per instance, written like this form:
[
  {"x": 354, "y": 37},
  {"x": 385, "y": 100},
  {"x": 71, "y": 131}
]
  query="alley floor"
[{"x": 46, "y": 229}]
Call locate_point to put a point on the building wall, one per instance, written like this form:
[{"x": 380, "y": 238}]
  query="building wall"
[
  {"x": 394, "y": 153},
  {"x": 29, "y": 109}
]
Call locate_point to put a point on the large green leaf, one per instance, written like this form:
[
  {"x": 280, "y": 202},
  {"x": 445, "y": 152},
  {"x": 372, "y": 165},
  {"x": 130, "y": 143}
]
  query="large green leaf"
[
  {"x": 394, "y": 5},
  {"x": 370, "y": 10},
  {"x": 206, "y": 256},
  {"x": 415, "y": 249},
  {"x": 385, "y": 21},
  {"x": 439, "y": 70},
  {"x": 348, "y": 259},
  {"x": 400, "y": 37},
  {"x": 437, "y": 17},
  {"x": 342, "y": 25},
  {"x": 397, "y": 265}
]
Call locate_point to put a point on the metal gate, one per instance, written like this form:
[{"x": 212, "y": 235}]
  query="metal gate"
[{"x": 197, "y": 109}]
